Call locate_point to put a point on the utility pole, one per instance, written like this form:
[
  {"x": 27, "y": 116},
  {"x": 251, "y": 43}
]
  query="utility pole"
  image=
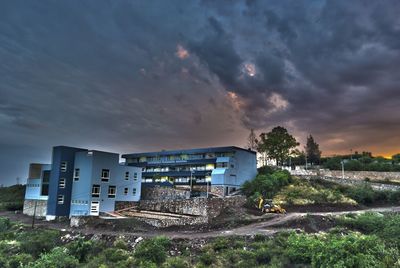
[
  {"x": 306, "y": 162},
  {"x": 342, "y": 169},
  {"x": 34, "y": 214},
  {"x": 191, "y": 181}
]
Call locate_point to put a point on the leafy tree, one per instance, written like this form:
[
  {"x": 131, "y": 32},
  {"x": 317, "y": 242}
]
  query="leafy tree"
[
  {"x": 333, "y": 163},
  {"x": 277, "y": 144},
  {"x": 252, "y": 141},
  {"x": 396, "y": 158},
  {"x": 312, "y": 151}
]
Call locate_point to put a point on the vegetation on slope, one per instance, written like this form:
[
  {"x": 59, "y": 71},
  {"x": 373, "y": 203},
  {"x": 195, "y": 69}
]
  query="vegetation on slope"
[
  {"x": 284, "y": 189},
  {"x": 12, "y": 197},
  {"x": 367, "y": 240}
]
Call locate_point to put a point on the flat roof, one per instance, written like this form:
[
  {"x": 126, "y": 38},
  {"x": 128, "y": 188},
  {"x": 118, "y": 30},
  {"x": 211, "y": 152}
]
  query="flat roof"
[{"x": 188, "y": 151}]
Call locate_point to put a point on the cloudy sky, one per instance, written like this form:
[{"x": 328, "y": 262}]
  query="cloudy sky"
[{"x": 131, "y": 76}]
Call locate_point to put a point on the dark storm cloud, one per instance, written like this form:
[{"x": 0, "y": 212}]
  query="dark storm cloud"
[{"x": 145, "y": 75}]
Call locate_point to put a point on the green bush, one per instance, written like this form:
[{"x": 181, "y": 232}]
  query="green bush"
[
  {"x": 38, "y": 241},
  {"x": 12, "y": 206},
  {"x": 176, "y": 262},
  {"x": 363, "y": 194},
  {"x": 82, "y": 249},
  {"x": 5, "y": 224},
  {"x": 58, "y": 257},
  {"x": 266, "y": 184},
  {"x": 305, "y": 193},
  {"x": 19, "y": 260},
  {"x": 152, "y": 250},
  {"x": 386, "y": 226},
  {"x": 337, "y": 250},
  {"x": 207, "y": 258}
]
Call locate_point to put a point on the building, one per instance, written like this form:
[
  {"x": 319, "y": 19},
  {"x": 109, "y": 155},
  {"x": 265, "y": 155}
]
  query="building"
[
  {"x": 224, "y": 169},
  {"x": 80, "y": 182},
  {"x": 37, "y": 189},
  {"x": 99, "y": 181}
]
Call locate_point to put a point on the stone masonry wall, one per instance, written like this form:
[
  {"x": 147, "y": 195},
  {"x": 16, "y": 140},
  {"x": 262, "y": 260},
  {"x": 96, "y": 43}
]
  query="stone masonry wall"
[
  {"x": 41, "y": 207},
  {"x": 354, "y": 175},
  {"x": 163, "y": 193},
  {"x": 211, "y": 207}
]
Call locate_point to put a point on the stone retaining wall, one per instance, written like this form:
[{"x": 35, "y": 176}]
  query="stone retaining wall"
[
  {"x": 210, "y": 207},
  {"x": 29, "y": 207},
  {"x": 163, "y": 193},
  {"x": 354, "y": 175}
]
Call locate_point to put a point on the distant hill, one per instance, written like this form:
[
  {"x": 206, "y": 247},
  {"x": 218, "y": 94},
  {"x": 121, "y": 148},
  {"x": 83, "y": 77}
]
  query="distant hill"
[{"x": 12, "y": 197}]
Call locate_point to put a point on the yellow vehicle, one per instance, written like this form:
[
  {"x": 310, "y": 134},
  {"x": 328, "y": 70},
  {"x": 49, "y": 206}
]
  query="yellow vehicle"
[{"x": 267, "y": 206}]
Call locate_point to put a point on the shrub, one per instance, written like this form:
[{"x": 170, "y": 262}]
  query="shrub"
[
  {"x": 304, "y": 193},
  {"x": 386, "y": 226},
  {"x": 58, "y": 257},
  {"x": 176, "y": 262},
  {"x": 82, "y": 249},
  {"x": 363, "y": 194},
  {"x": 12, "y": 206},
  {"x": 266, "y": 184},
  {"x": 153, "y": 250},
  {"x": 38, "y": 241},
  {"x": 337, "y": 250},
  {"x": 5, "y": 224},
  {"x": 19, "y": 260}
]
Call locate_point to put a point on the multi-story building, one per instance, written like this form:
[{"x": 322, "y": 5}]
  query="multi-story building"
[
  {"x": 80, "y": 182},
  {"x": 225, "y": 169},
  {"x": 99, "y": 181}
]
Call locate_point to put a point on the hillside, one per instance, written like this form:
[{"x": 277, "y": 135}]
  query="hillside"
[{"x": 12, "y": 197}]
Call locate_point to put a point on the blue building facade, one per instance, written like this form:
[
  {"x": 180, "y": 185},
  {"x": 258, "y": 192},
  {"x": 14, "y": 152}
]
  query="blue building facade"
[
  {"x": 80, "y": 182},
  {"x": 225, "y": 169},
  {"x": 99, "y": 181}
]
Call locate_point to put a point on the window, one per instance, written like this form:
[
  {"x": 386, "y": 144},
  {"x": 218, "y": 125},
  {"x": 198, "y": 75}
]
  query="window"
[
  {"x": 61, "y": 183},
  {"x": 126, "y": 191},
  {"x": 232, "y": 166},
  {"x": 111, "y": 191},
  {"x": 60, "y": 199},
  {"x": 134, "y": 191},
  {"x": 127, "y": 175},
  {"x": 64, "y": 166},
  {"x": 76, "y": 174},
  {"x": 135, "y": 176},
  {"x": 96, "y": 190},
  {"x": 105, "y": 175}
]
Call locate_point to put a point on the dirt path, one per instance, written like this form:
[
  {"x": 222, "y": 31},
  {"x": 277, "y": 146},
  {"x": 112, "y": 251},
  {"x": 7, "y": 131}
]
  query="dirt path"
[{"x": 263, "y": 228}]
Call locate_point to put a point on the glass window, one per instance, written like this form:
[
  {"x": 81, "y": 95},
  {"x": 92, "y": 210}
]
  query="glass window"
[
  {"x": 134, "y": 191},
  {"x": 76, "y": 174},
  {"x": 64, "y": 166},
  {"x": 127, "y": 175},
  {"x": 60, "y": 199},
  {"x": 61, "y": 183},
  {"x": 96, "y": 190},
  {"x": 126, "y": 191},
  {"x": 105, "y": 175},
  {"x": 111, "y": 191}
]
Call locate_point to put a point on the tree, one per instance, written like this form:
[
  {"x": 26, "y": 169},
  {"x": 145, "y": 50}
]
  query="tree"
[
  {"x": 252, "y": 141},
  {"x": 277, "y": 144},
  {"x": 312, "y": 151},
  {"x": 396, "y": 158}
]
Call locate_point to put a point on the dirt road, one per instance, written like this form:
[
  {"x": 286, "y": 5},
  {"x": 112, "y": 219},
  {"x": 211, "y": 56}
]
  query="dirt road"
[{"x": 263, "y": 228}]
